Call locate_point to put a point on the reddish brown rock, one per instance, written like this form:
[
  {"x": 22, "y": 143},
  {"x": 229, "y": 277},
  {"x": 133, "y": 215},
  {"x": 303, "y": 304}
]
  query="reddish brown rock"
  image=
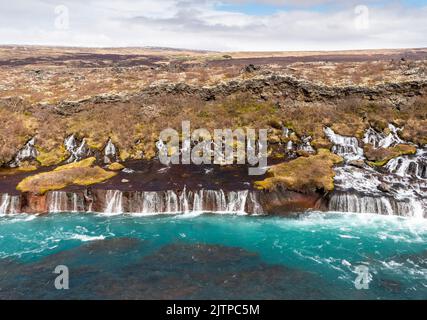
[
  {"x": 284, "y": 202},
  {"x": 34, "y": 203}
]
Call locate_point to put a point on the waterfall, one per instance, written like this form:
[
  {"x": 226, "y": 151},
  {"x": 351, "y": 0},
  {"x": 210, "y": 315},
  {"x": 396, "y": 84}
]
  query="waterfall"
[
  {"x": 78, "y": 150},
  {"x": 9, "y": 204},
  {"x": 349, "y": 202},
  {"x": 305, "y": 145},
  {"x": 366, "y": 190},
  {"x": 380, "y": 140},
  {"x": 57, "y": 202},
  {"x": 110, "y": 152},
  {"x": 70, "y": 143},
  {"x": 237, "y": 201},
  {"x": 171, "y": 202},
  {"x": 346, "y": 147},
  {"x": 197, "y": 202},
  {"x": 114, "y": 201},
  {"x": 27, "y": 153},
  {"x": 409, "y": 166},
  {"x": 183, "y": 202},
  {"x": 286, "y": 132}
]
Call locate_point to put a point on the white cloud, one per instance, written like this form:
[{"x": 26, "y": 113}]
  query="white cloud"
[{"x": 201, "y": 25}]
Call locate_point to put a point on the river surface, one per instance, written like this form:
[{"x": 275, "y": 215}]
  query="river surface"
[{"x": 221, "y": 256}]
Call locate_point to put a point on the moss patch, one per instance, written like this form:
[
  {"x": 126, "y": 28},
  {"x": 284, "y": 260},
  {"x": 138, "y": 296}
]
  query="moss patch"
[
  {"x": 52, "y": 157},
  {"x": 79, "y": 173},
  {"x": 12, "y": 171},
  {"x": 303, "y": 174},
  {"x": 379, "y": 157},
  {"x": 115, "y": 166}
]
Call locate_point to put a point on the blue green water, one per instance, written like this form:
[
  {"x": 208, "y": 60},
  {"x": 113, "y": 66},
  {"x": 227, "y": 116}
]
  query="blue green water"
[{"x": 214, "y": 256}]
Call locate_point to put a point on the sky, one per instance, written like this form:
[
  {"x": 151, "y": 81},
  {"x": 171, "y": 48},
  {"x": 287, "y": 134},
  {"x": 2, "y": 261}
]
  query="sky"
[{"x": 219, "y": 25}]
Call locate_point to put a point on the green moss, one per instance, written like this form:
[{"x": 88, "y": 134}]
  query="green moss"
[
  {"x": 79, "y": 173},
  {"x": 303, "y": 174},
  {"x": 379, "y": 157},
  {"x": 52, "y": 157},
  {"x": 124, "y": 155},
  {"x": 115, "y": 166},
  {"x": 12, "y": 171},
  {"x": 86, "y": 163}
]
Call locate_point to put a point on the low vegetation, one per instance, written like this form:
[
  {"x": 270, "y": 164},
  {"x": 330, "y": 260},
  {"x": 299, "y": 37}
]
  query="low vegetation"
[
  {"x": 37, "y": 81},
  {"x": 80, "y": 173},
  {"x": 115, "y": 166},
  {"x": 303, "y": 174},
  {"x": 380, "y": 156}
]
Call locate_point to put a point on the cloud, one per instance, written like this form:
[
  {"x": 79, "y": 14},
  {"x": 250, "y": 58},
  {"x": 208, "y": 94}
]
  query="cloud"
[{"x": 209, "y": 24}]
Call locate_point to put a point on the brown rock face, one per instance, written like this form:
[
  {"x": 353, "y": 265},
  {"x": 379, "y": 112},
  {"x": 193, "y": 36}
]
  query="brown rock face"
[
  {"x": 34, "y": 203},
  {"x": 284, "y": 202},
  {"x": 278, "y": 202}
]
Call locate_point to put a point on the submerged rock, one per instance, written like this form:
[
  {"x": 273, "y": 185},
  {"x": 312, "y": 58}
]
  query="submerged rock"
[{"x": 174, "y": 271}]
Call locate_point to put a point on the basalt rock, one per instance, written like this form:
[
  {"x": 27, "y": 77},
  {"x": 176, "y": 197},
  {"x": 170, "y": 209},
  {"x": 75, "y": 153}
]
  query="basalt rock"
[
  {"x": 34, "y": 203},
  {"x": 270, "y": 85},
  {"x": 278, "y": 202},
  {"x": 284, "y": 202}
]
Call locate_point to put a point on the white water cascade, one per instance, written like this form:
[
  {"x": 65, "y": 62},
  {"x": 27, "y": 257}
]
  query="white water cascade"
[
  {"x": 110, "y": 152},
  {"x": 399, "y": 188},
  {"x": 410, "y": 166},
  {"x": 9, "y": 204},
  {"x": 349, "y": 202},
  {"x": 114, "y": 201},
  {"x": 305, "y": 145},
  {"x": 171, "y": 202},
  {"x": 365, "y": 190},
  {"x": 381, "y": 140},
  {"x": 27, "y": 153},
  {"x": 78, "y": 150},
  {"x": 57, "y": 201},
  {"x": 346, "y": 147}
]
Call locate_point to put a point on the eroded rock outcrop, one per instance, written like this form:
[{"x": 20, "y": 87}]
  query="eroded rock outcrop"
[{"x": 252, "y": 202}]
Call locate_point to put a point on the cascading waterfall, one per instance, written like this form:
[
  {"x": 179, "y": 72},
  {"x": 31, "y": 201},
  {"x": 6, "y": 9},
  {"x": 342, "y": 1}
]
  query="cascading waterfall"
[
  {"x": 400, "y": 190},
  {"x": 350, "y": 202},
  {"x": 171, "y": 202},
  {"x": 114, "y": 201},
  {"x": 306, "y": 145},
  {"x": 27, "y": 153},
  {"x": 9, "y": 204},
  {"x": 110, "y": 152},
  {"x": 346, "y": 147},
  {"x": 409, "y": 166},
  {"x": 380, "y": 140},
  {"x": 57, "y": 201},
  {"x": 78, "y": 149},
  {"x": 61, "y": 201},
  {"x": 364, "y": 190}
]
